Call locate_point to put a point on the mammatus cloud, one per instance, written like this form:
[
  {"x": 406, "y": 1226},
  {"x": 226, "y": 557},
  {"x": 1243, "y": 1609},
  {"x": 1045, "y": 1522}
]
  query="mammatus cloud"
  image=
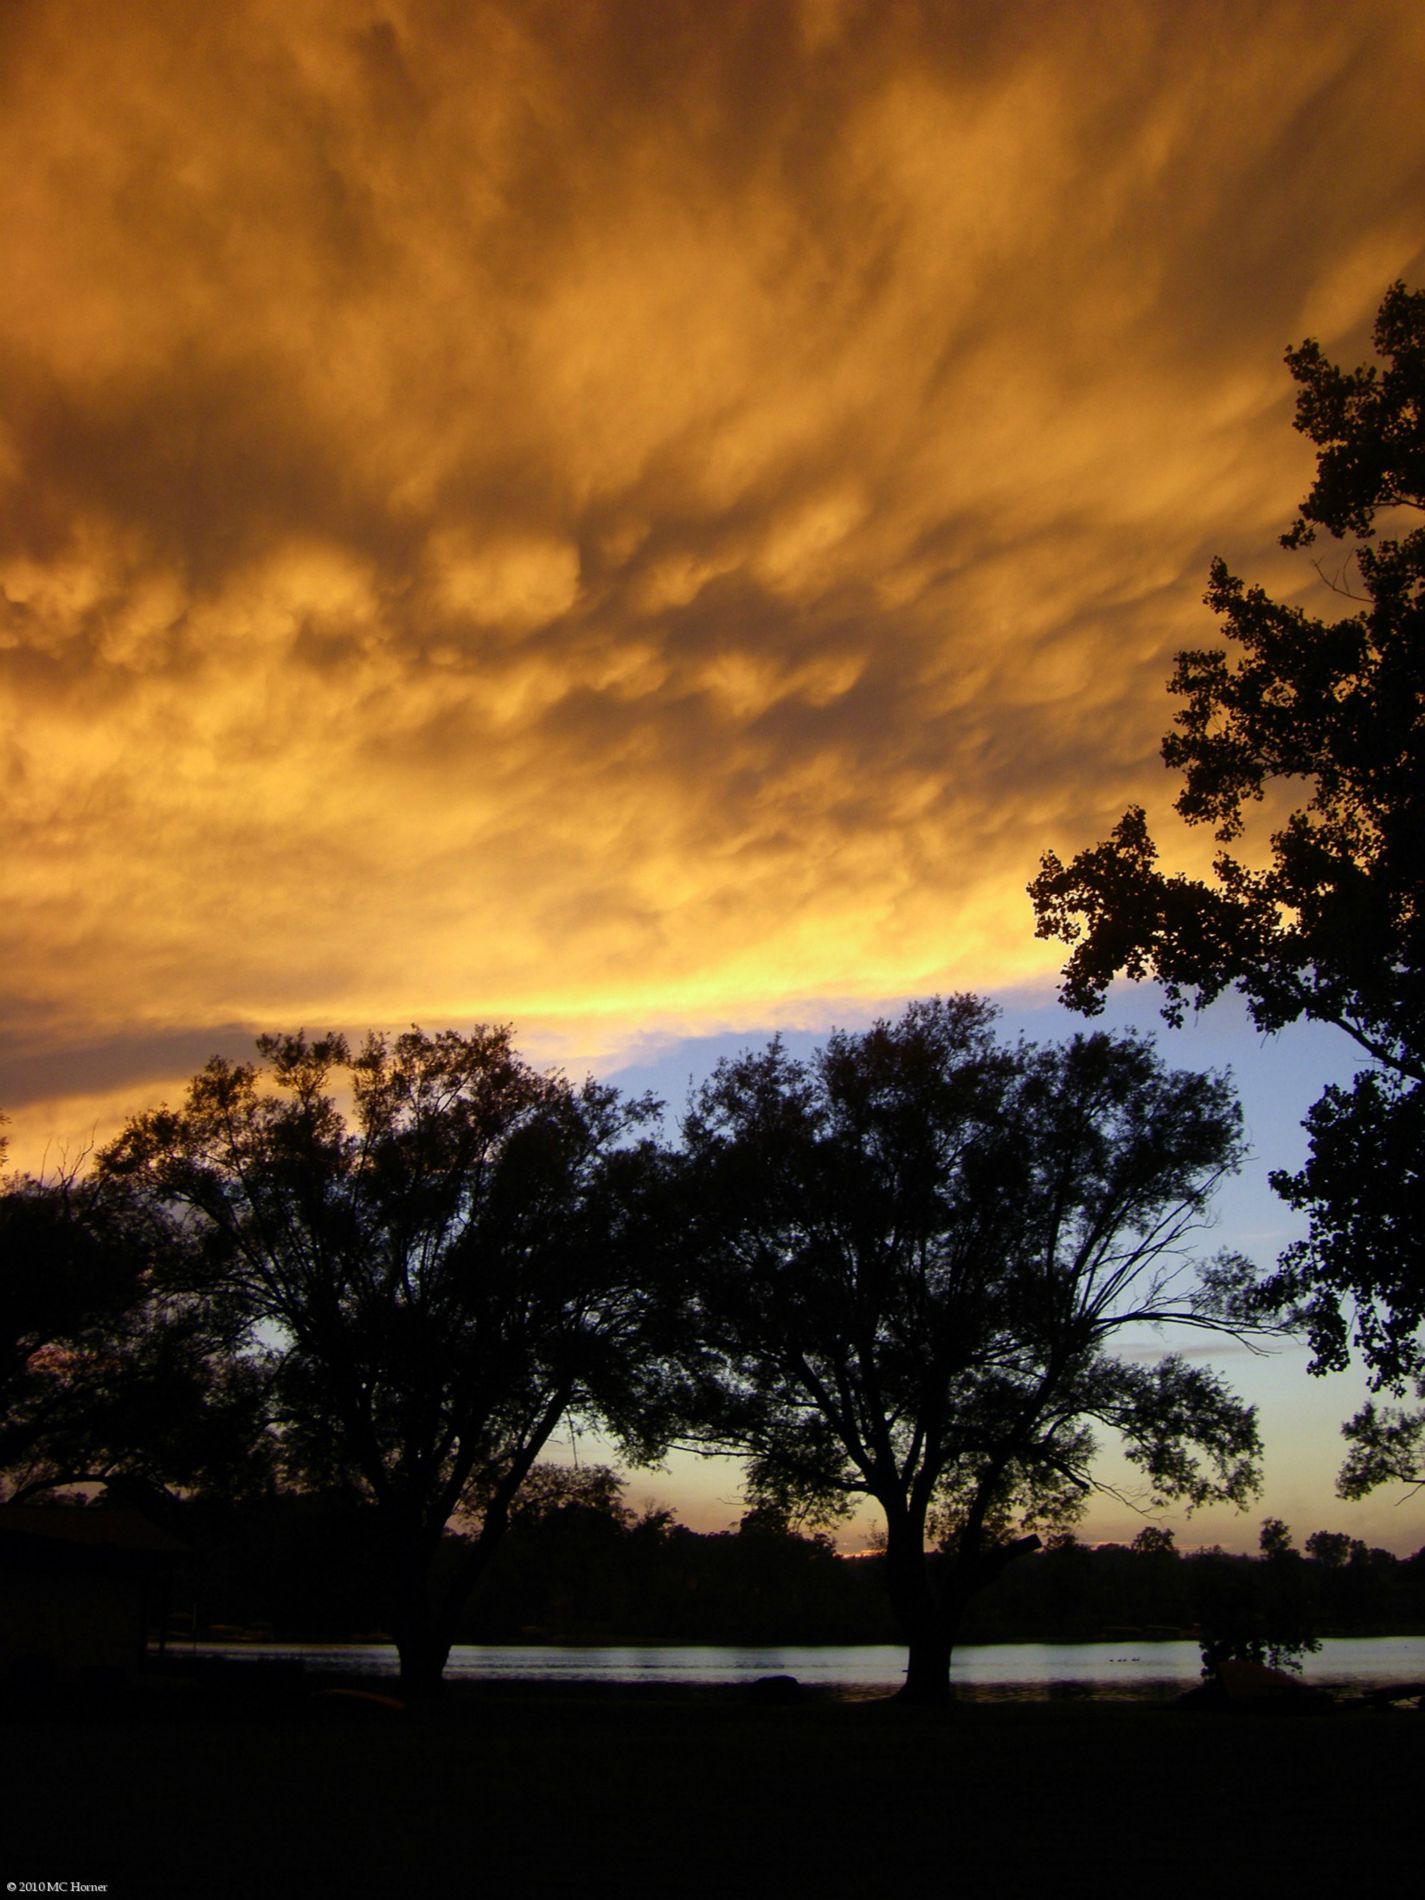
[{"x": 617, "y": 514}]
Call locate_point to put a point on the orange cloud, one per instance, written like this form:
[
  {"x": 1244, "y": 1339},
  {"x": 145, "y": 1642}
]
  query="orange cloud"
[{"x": 607, "y": 515}]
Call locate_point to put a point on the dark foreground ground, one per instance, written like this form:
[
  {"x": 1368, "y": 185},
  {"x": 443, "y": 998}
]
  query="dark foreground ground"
[{"x": 214, "y": 1791}]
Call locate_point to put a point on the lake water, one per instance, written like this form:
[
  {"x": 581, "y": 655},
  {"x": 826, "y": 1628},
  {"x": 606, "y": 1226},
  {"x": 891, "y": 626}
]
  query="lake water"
[{"x": 1124, "y": 1670}]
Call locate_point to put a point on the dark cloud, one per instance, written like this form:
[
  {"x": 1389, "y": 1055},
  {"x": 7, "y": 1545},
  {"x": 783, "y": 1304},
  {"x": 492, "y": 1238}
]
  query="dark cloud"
[{"x": 38, "y": 1066}]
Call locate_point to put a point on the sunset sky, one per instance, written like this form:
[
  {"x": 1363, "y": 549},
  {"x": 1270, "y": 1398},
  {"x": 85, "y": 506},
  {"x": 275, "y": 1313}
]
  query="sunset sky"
[{"x": 644, "y": 520}]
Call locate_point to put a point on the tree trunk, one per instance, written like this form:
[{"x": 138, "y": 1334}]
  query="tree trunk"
[
  {"x": 422, "y": 1635},
  {"x": 927, "y": 1671},
  {"x": 423, "y": 1659},
  {"x": 431, "y": 1588},
  {"x": 918, "y": 1612},
  {"x": 929, "y": 1610}
]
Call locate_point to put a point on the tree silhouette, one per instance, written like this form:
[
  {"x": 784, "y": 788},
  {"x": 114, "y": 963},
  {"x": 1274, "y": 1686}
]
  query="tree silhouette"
[
  {"x": 1328, "y": 921},
  {"x": 913, "y": 1255},
  {"x": 104, "y": 1381},
  {"x": 435, "y": 1284}
]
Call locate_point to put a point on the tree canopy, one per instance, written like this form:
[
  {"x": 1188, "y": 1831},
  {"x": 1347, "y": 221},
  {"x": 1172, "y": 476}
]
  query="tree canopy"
[
  {"x": 60, "y": 1288},
  {"x": 433, "y": 1284},
  {"x": 912, "y": 1258},
  {"x": 103, "y": 1379},
  {"x": 1319, "y": 723}
]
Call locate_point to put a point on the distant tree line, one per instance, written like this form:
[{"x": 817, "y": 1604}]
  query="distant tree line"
[{"x": 584, "y": 1568}]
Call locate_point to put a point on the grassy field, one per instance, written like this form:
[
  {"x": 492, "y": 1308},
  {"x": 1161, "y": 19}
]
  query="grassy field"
[{"x": 534, "y": 1792}]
